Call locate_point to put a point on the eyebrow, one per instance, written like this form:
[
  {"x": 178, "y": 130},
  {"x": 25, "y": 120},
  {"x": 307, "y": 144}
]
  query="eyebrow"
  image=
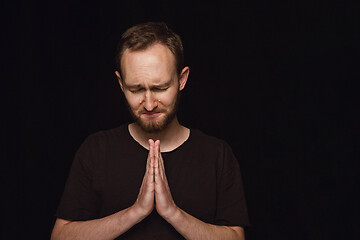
[
  {"x": 138, "y": 86},
  {"x": 132, "y": 86},
  {"x": 162, "y": 85}
]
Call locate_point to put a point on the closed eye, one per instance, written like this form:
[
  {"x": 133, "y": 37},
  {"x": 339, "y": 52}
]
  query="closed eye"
[
  {"x": 159, "y": 89},
  {"x": 136, "y": 90}
]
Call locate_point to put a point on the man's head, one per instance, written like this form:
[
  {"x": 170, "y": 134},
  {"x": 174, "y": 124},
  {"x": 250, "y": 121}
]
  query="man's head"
[
  {"x": 150, "y": 78},
  {"x": 142, "y": 36}
]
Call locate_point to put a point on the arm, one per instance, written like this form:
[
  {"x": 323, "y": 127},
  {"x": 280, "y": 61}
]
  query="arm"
[
  {"x": 108, "y": 227},
  {"x": 188, "y": 226},
  {"x": 116, "y": 224},
  {"x": 192, "y": 228}
]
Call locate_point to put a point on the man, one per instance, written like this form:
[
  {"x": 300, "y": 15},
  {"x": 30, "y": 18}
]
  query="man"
[{"x": 153, "y": 178}]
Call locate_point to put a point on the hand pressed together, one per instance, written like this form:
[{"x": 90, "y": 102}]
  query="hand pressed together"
[{"x": 155, "y": 190}]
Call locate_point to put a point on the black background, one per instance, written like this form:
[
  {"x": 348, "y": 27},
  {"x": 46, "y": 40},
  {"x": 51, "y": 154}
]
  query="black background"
[{"x": 276, "y": 79}]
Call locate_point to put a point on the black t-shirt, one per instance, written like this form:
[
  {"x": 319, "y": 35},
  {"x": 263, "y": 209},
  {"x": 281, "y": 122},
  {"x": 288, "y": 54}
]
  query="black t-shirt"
[{"x": 107, "y": 172}]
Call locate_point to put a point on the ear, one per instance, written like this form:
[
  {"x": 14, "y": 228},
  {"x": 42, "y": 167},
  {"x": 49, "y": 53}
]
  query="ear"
[
  {"x": 183, "y": 78},
  {"x": 119, "y": 80}
]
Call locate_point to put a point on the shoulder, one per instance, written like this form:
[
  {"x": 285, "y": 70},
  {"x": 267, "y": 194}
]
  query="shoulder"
[
  {"x": 102, "y": 140},
  {"x": 109, "y": 135},
  {"x": 215, "y": 149},
  {"x": 99, "y": 145},
  {"x": 209, "y": 145},
  {"x": 210, "y": 142}
]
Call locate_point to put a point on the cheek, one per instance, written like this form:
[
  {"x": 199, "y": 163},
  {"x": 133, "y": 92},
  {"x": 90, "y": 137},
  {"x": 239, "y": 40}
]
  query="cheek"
[
  {"x": 167, "y": 99},
  {"x": 132, "y": 101}
]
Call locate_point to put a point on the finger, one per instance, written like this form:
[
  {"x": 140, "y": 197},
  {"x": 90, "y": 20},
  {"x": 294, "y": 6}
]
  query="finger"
[
  {"x": 153, "y": 160},
  {"x": 151, "y": 145},
  {"x": 157, "y": 177},
  {"x": 147, "y": 186},
  {"x": 149, "y": 178},
  {"x": 162, "y": 172},
  {"x": 161, "y": 162},
  {"x": 152, "y": 153},
  {"x": 158, "y": 158},
  {"x": 148, "y": 163}
]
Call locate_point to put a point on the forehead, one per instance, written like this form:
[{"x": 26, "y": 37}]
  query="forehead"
[{"x": 154, "y": 63}]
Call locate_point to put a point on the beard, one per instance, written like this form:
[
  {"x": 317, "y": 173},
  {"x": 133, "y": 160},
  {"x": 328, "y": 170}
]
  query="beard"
[{"x": 158, "y": 125}]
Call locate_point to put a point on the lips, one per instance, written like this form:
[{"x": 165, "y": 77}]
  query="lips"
[{"x": 151, "y": 114}]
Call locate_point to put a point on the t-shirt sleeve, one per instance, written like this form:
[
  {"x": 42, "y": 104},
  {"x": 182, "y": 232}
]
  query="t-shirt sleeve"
[
  {"x": 79, "y": 199},
  {"x": 231, "y": 204}
]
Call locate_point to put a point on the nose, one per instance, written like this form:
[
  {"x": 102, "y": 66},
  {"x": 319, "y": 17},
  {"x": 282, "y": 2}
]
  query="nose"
[{"x": 149, "y": 103}]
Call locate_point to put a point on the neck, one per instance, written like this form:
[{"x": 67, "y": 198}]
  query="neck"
[{"x": 171, "y": 137}]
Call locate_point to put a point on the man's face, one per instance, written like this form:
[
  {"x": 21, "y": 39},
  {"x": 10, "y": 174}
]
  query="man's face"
[{"x": 151, "y": 86}]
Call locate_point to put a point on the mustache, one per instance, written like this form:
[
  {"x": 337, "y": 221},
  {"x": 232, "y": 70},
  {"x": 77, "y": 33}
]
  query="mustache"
[{"x": 144, "y": 111}]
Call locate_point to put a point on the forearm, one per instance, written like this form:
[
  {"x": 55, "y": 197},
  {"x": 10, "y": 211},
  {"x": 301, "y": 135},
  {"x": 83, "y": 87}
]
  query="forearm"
[
  {"x": 192, "y": 228},
  {"x": 105, "y": 228}
]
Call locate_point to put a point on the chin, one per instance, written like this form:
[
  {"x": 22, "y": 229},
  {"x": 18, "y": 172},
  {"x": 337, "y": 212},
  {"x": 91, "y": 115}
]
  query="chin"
[
  {"x": 154, "y": 126},
  {"x": 151, "y": 127}
]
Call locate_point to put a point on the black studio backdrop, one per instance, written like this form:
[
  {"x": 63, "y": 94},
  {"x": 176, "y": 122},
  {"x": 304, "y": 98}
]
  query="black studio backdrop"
[{"x": 277, "y": 81}]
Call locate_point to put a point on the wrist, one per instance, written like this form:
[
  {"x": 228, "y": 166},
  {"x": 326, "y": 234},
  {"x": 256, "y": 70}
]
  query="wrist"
[
  {"x": 136, "y": 213},
  {"x": 175, "y": 216}
]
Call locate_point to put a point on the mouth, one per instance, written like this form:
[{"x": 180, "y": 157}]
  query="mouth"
[{"x": 151, "y": 114}]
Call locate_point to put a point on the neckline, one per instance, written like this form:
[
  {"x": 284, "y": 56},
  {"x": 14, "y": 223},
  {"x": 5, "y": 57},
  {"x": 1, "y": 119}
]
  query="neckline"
[{"x": 163, "y": 152}]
